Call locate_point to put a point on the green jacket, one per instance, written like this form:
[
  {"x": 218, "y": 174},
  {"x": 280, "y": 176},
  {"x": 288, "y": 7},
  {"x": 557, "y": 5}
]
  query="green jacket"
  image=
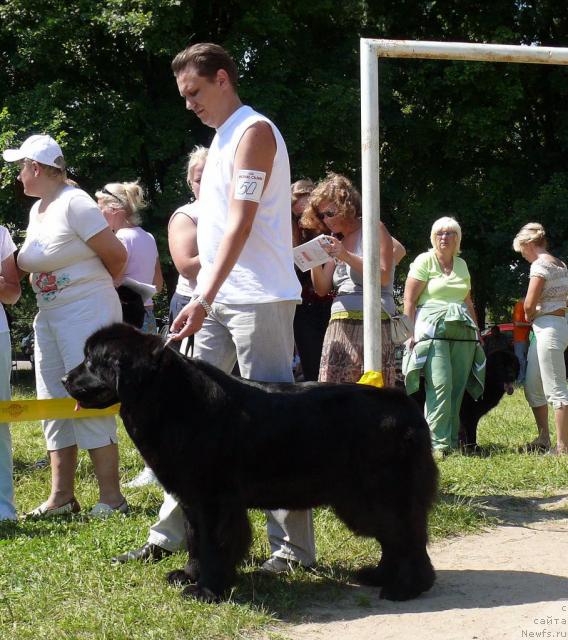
[{"x": 426, "y": 329}]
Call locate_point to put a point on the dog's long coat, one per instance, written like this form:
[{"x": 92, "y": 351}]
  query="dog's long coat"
[{"x": 222, "y": 445}]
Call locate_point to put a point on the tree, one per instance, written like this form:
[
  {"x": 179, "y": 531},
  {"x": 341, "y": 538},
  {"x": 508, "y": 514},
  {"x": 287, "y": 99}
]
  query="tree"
[{"x": 485, "y": 142}]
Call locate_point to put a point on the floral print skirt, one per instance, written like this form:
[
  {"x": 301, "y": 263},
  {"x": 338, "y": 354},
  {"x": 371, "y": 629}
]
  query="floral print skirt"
[{"x": 342, "y": 354}]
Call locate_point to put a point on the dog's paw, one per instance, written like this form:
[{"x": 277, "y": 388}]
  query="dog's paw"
[
  {"x": 178, "y": 578},
  {"x": 410, "y": 587},
  {"x": 370, "y": 576},
  {"x": 200, "y": 593}
]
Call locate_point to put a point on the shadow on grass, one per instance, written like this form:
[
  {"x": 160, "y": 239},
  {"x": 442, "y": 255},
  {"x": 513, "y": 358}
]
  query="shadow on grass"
[{"x": 522, "y": 510}]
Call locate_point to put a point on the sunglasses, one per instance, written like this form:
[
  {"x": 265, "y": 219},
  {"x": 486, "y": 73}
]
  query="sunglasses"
[
  {"x": 112, "y": 195},
  {"x": 441, "y": 234}
]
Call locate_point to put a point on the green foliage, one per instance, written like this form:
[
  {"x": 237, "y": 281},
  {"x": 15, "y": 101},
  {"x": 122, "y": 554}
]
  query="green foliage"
[{"x": 485, "y": 142}]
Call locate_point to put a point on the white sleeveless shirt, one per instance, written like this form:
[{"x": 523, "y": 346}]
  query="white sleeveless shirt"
[
  {"x": 185, "y": 286},
  {"x": 264, "y": 272}
]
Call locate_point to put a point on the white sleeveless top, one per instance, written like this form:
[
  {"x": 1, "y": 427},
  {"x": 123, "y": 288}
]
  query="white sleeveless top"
[
  {"x": 264, "y": 272},
  {"x": 185, "y": 286}
]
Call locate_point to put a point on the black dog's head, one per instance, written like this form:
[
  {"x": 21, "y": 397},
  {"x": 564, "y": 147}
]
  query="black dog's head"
[
  {"x": 111, "y": 354},
  {"x": 503, "y": 366}
]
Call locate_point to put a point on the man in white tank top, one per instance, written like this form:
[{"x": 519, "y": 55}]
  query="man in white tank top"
[{"x": 246, "y": 290}]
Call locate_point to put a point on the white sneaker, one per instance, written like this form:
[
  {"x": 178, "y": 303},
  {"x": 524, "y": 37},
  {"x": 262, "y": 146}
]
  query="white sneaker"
[
  {"x": 276, "y": 565},
  {"x": 143, "y": 479}
]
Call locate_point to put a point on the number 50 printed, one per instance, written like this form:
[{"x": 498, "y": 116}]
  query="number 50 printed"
[{"x": 249, "y": 185}]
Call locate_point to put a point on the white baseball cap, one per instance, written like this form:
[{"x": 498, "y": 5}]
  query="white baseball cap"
[{"x": 41, "y": 148}]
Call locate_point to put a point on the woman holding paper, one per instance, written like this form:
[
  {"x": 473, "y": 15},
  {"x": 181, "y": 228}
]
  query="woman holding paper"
[
  {"x": 121, "y": 204},
  {"x": 72, "y": 256},
  {"x": 337, "y": 204}
]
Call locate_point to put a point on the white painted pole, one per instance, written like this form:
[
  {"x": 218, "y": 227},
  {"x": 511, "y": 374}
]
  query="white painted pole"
[
  {"x": 371, "y": 206},
  {"x": 468, "y": 51},
  {"x": 371, "y": 50}
]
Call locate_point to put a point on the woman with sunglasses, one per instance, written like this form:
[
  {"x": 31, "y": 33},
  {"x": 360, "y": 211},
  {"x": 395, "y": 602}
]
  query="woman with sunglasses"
[
  {"x": 337, "y": 204},
  {"x": 445, "y": 345},
  {"x": 72, "y": 256}
]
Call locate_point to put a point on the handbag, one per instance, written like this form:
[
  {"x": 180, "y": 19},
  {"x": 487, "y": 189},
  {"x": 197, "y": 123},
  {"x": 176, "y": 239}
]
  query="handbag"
[{"x": 401, "y": 328}]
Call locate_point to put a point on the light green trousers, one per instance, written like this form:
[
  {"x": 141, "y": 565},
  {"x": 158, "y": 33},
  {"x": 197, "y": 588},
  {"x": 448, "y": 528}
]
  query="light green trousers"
[{"x": 446, "y": 372}]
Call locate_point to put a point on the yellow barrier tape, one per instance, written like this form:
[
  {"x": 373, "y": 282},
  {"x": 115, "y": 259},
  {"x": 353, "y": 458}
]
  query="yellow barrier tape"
[
  {"x": 373, "y": 378},
  {"x": 52, "y": 409}
]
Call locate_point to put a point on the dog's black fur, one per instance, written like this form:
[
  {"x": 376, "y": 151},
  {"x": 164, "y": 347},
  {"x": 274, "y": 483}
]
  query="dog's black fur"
[
  {"x": 502, "y": 369},
  {"x": 221, "y": 445}
]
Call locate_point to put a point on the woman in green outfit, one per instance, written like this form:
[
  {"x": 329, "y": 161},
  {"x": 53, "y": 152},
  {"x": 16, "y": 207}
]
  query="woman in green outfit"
[{"x": 445, "y": 345}]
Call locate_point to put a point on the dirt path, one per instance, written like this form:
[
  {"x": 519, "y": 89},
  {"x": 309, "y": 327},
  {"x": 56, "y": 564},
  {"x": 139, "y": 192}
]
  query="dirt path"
[{"x": 510, "y": 582}]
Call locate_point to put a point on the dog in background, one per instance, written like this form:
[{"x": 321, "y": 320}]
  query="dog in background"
[
  {"x": 363, "y": 451},
  {"x": 502, "y": 369}
]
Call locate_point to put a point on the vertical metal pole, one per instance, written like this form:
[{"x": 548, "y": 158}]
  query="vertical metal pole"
[{"x": 371, "y": 206}]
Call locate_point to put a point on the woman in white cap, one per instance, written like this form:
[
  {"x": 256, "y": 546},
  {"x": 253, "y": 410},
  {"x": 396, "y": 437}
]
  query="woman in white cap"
[{"x": 72, "y": 256}]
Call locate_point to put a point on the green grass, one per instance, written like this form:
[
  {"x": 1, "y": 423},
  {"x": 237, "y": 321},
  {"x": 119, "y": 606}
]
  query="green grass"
[{"x": 56, "y": 581}]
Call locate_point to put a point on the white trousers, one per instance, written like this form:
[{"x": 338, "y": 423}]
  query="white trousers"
[
  {"x": 260, "y": 338},
  {"x": 60, "y": 335},
  {"x": 545, "y": 381},
  {"x": 7, "y": 508}
]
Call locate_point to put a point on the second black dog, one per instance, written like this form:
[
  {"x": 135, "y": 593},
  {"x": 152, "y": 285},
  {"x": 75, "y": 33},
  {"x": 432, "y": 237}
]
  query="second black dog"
[
  {"x": 221, "y": 445},
  {"x": 502, "y": 369}
]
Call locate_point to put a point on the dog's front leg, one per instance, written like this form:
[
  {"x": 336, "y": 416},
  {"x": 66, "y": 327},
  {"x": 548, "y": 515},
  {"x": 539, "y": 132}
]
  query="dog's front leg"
[
  {"x": 190, "y": 573},
  {"x": 223, "y": 540}
]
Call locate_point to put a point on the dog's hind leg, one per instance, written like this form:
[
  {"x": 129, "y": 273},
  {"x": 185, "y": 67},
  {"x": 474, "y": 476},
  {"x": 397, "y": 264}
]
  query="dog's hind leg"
[
  {"x": 404, "y": 570},
  {"x": 224, "y": 538}
]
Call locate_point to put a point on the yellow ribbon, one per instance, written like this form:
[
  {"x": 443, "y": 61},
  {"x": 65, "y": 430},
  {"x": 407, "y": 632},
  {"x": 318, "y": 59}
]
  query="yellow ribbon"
[
  {"x": 52, "y": 409},
  {"x": 372, "y": 378}
]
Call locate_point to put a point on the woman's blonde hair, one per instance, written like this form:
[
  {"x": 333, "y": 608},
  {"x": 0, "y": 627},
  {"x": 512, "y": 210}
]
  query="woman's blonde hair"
[
  {"x": 531, "y": 232},
  {"x": 338, "y": 190},
  {"x": 124, "y": 195},
  {"x": 451, "y": 224},
  {"x": 198, "y": 155}
]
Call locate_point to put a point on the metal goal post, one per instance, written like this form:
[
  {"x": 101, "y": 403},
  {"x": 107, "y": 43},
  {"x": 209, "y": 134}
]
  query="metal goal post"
[{"x": 371, "y": 51}]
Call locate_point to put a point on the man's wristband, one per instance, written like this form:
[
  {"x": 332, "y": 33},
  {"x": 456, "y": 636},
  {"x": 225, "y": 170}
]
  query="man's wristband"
[{"x": 205, "y": 305}]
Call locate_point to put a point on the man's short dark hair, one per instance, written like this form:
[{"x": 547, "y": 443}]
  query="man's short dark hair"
[{"x": 207, "y": 58}]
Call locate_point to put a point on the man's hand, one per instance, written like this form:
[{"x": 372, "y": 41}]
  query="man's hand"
[{"x": 188, "y": 321}]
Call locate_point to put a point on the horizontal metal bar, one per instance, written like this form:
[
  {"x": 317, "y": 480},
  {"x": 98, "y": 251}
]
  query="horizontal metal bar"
[{"x": 468, "y": 51}]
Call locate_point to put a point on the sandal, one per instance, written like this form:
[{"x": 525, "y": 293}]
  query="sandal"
[
  {"x": 43, "y": 511},
  {"x": 102, "y": 510}
]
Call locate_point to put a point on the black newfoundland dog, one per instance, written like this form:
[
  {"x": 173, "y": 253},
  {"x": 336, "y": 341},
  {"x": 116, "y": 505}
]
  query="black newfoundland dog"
[
  {"x": 222, "y": 445},
  {"x": 502, "y": 369}
]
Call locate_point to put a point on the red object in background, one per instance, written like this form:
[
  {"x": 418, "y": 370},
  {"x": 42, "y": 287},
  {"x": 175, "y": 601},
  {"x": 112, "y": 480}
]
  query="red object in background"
[{"x": 506, "y": 329}]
